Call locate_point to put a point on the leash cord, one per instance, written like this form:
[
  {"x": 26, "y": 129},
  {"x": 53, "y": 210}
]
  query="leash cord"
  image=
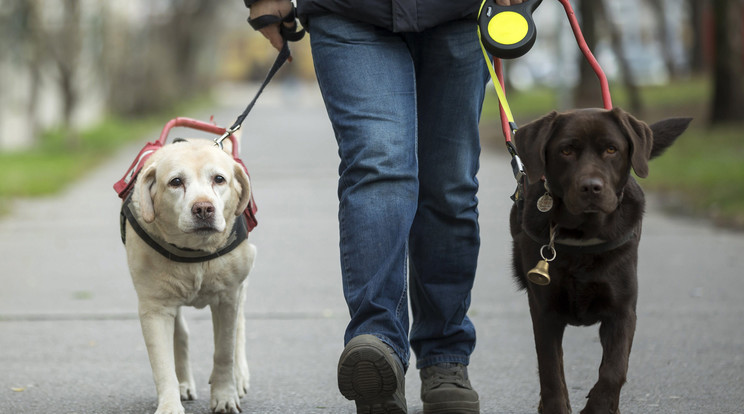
[
  {"x": 290, "y": 33},
  {"x": 278, "y": 62}
]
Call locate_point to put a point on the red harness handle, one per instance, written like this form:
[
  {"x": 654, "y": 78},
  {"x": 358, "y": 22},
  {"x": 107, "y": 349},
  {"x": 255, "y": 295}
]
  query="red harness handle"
[{"x": 199, "y": 125}]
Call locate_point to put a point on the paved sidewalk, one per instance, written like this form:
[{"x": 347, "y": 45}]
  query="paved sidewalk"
[{"x": 70, "y": 340}]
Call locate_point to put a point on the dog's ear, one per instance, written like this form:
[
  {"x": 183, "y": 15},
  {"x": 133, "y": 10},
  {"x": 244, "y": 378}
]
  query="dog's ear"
[
  {"x": 640, "y": 137},
  {"x": 531, "y": 141},
  {"x": 666, "y": 132},
  {"x": 144, "y": 185},
  {"x": 244, "y": 190}
]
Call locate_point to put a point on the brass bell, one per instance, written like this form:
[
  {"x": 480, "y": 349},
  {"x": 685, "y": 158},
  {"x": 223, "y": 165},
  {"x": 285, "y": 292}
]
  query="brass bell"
[{"x": 539, "y": 274}]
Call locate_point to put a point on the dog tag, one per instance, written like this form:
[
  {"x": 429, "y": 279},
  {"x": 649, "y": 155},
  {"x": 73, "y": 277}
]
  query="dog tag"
[{"x": 545, "y": 203}]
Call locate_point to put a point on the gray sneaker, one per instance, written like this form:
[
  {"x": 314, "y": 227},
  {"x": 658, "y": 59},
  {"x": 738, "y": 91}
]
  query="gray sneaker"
[
  {"x": 446, "y": 389},
  {"x": 370, "y": 374}
]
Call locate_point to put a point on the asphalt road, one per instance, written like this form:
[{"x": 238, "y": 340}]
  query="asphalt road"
[{"x": 70, "y": 341}]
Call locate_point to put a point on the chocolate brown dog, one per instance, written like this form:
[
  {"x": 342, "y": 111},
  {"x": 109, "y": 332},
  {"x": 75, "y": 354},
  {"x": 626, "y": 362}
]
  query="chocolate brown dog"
[{"x": 580, "y": 218}]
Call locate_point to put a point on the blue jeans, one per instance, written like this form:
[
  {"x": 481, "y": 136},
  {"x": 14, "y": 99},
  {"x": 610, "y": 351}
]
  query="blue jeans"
[{"x": 405, "y": 111}]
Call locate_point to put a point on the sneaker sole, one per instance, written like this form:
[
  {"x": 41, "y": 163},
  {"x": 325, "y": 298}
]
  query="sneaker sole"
[
  {"x": 454, "y": 407},
  {"x": 366, "y": 375}
]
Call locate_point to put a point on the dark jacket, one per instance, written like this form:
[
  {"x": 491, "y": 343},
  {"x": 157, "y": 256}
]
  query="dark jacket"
[{"x": 394, "y": 15}]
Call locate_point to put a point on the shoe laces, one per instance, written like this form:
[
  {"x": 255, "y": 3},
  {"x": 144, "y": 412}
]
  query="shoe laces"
[{"x": 446, "y": 374}]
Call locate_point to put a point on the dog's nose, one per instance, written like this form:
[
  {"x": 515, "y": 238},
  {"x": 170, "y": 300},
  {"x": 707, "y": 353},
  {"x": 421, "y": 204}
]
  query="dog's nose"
[
  {"x": 591, "y": 185},
  {"x": 203, "y": 210}
]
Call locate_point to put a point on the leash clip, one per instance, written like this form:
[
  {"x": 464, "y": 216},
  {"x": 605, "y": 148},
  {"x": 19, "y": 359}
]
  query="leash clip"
[
  {"x": 516, "y": 162},
  {"x": 228, "y": 132},
  {"x": 517, "y": 168}
]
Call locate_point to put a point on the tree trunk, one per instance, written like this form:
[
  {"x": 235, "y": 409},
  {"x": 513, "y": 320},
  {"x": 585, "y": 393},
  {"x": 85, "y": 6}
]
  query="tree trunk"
[
  {"x": 587, "y": 92},
  {"x": 662, "y": 33},
  {"x": 635, "y": 103},
  {"x": 728, "y": 85},
  {"x": 697, "y": 57}
]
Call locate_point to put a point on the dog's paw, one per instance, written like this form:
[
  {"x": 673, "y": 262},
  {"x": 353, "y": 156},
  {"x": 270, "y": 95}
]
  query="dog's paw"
[
  {"x": 225, "y": 400},
  {"x": 188, "y": 390},
  {"x": 242, "y": 380},
  {"x": 172, "y": 407}
]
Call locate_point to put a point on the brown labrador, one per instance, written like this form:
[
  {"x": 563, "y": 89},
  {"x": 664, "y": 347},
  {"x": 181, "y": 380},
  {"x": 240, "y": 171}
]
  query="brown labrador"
[{"x": 587, "y": 230}]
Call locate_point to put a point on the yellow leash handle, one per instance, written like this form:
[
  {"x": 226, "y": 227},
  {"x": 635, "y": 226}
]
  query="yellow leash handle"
[{"x": 496, "y": 83}]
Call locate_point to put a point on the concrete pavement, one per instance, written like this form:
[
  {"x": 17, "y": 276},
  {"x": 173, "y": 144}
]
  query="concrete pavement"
[{"x": 70, "y": 340}]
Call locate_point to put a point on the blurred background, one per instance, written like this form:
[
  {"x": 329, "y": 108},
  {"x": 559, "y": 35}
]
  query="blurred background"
[{"x": 79, "y": 78}]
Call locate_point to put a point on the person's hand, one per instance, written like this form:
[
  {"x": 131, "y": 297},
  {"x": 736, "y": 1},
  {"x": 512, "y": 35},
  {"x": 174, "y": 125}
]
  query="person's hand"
[
  {"x": 278, "y": 8},
  {"x": 508, "y": 2}
]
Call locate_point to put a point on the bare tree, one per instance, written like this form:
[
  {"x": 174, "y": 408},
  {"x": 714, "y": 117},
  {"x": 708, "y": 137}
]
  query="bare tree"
[
  {"x": 728, "y": 78},
  {"x": 587, "y": 94},
  {"x": 635, "y": 103},
  {"x": 164, "y": 60},
  {"x": 697, "y": 12},
  {"x": 22, "y": 49},
  {"x": 662, "y": 33},
  {"x": 63, "y": 43}
]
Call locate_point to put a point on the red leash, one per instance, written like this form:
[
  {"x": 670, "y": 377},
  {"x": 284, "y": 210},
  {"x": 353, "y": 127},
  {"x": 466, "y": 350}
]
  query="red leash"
[{"x": 606, "y": 98}]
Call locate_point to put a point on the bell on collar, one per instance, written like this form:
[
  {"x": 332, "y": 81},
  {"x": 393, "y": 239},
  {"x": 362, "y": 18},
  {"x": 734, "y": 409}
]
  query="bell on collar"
[{"x": 539, "y": 274}]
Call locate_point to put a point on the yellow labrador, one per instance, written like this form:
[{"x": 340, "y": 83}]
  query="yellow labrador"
[{"x": 182, "y": 251}]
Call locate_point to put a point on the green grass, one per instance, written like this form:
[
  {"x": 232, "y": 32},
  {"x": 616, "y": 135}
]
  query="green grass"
[
  {"x": 52, "y": 165},
  {"x": 704, "y": 172},
  {"x": 701, "y": 174}
]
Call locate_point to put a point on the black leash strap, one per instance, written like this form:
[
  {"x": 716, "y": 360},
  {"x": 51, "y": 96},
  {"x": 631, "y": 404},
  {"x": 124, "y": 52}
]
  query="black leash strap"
[{"x": 289, "y": 34}]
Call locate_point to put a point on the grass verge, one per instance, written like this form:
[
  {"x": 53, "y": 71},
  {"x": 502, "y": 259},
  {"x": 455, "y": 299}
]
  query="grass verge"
[{"x": 51, "y": 165}]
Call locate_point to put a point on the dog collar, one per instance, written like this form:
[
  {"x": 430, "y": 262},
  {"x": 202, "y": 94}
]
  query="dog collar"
[
  {"x": 238, "y": 234},
  {"x": 579, "y": 246}
]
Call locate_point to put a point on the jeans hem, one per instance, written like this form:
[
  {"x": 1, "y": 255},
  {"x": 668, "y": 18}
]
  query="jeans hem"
[{"x": 440, "y": 359}]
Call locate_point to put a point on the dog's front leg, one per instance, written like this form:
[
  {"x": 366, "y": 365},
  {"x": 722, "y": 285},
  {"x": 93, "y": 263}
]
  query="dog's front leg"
[
  {"x": 616, "y": 336},
  {"x": 158, "y": 330},
  {"x": 186, "y": 384},
  {"x": 225, "y": 397},
  {"x": 242, "y": 375},
  {"x": 548, "y": 344}
]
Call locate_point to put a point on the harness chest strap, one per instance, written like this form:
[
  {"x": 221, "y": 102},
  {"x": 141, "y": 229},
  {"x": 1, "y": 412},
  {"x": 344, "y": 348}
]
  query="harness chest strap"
[{"x": 238, "y": 234}]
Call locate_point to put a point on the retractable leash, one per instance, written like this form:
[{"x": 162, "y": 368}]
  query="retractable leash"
[{"x": 508, "y": 32}]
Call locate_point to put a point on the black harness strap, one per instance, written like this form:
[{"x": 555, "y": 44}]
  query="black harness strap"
[{"x": 238, "y": 234}]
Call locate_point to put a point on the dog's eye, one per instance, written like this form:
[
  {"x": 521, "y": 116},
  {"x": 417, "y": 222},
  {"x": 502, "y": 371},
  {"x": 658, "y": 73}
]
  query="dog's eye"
[
  {"x": 567, "y": 151},
  {"x": 176, "y": 182},
  {"x": 611, "y": 149},
  {"x": 218, "y": 179}
]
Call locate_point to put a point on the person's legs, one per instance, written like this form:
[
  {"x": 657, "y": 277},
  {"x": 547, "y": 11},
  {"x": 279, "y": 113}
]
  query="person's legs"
[
  {"x": 367, "y": 79},
  {"x": 444, "y": 241}
]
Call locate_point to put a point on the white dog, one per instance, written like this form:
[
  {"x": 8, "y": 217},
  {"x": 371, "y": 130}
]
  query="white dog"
[{"x": 186, "y": 247}]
